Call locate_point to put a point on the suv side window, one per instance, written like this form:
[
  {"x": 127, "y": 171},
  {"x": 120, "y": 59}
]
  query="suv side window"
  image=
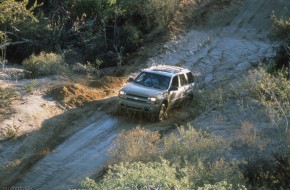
[
  {"x": 175, "y": 82},
  {"x": 190, "y": 77},
  {"x": 183, "y": 80}
]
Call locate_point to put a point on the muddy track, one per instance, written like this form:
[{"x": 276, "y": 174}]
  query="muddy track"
[{"x": 81, "y": 155}]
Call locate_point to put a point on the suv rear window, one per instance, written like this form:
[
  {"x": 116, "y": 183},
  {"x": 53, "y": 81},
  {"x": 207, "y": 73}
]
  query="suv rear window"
[
  {"x": 175, "y": 82},
  {"x": 183, "y": 80},
  {"x": 190, "y": 77}
]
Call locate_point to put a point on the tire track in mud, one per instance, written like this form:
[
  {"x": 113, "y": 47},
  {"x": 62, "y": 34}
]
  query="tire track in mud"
[
  {"x": 247, "y": 14},
  {"x": 80, "y": 156}
]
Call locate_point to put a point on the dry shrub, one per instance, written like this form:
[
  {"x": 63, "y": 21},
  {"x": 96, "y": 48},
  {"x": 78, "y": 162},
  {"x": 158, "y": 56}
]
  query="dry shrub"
[
  {"x": 45, "y": 64},
  {"x": 196, "y": 156},
  {"x": 192, "y": 145},
  {"x": 7, "y": 95},
  {"x": 200, "y": 154},
  {"x": 273, "y": 92},
  {"x": 253, "y": 153},
  {"x": 201, "y": 173},
  {"x": 136, "y": 145},
  {"x": 281, "y": 27}
]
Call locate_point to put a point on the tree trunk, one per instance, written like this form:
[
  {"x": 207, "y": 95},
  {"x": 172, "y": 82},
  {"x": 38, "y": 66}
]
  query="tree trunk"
[{"x": 289, "y": 70}]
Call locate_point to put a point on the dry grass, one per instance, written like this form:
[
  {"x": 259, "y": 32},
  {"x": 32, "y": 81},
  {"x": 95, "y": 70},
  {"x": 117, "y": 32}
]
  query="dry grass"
[
  {"x": 136, "y": 145},
  {"x": 7, "y": 95}
]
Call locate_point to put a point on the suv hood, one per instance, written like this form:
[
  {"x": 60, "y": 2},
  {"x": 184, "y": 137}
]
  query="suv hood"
[{"x": 141, "y": 90}]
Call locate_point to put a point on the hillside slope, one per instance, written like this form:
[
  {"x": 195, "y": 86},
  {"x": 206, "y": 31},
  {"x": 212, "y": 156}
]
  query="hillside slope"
[{"x": 220, "y": 47}]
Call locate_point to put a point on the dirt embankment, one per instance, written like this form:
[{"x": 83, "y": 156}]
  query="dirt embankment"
[{"x": 76, "y": 95}]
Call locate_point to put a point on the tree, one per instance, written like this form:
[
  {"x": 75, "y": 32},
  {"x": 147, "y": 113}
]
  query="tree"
[
  {"x": 13, "y": 16},
  {"x": 281, "y": 29}
]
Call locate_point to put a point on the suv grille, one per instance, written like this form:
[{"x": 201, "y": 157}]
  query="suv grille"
[{"x": 137, "y": 98}]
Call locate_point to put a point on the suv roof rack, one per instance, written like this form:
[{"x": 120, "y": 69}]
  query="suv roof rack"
[{"x": 167, "y": 68}]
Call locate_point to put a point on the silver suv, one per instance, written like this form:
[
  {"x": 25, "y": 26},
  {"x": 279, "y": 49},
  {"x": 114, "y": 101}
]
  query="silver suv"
[{"x": 156, "y": 90}]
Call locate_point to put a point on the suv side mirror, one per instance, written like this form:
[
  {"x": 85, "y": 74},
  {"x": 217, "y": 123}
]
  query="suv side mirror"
[
  {"x": 173, "y": 88},
  {"x": 130, "y": 79}
]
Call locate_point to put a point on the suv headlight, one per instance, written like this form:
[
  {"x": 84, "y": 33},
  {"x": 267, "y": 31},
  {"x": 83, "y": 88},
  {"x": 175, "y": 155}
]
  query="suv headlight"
[
  {"x": 152, "y": 100},
  {"x": 122, "y": 94}
]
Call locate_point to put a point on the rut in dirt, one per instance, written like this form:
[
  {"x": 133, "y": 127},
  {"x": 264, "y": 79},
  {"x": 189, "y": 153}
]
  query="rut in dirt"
[{"x": 80, "y": 156}]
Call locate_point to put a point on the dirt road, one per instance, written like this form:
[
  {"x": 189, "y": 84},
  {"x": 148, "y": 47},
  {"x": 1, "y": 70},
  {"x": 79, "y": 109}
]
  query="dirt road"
[
  {"x": 81, "y": 155},
  {"x": 220, "y": 51}
]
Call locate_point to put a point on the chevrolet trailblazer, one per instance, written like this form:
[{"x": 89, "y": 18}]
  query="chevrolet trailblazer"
[{"x": 156, "y": 90}]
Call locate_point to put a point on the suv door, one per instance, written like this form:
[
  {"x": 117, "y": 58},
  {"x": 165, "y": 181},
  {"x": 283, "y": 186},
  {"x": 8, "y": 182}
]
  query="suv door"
[
  {"x": 190, "y": 84},
  {"x": 184, "y": 87},
  {"x": 175, "y": 92}
]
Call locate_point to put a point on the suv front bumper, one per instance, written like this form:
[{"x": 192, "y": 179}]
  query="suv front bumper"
[{"x": 138, "y": 106}]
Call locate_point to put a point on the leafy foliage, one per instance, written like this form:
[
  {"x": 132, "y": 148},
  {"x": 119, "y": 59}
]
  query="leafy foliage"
[
  {"x": 107, "y": 30},
  {"x": 281, "y": 27},
  {"x": 15, "y": 12},
  {"x": 223, "y": 185},
  {"x": 138, "y": 175},
  {"x": 281, "y": 30},
  {"x": 152, "y": 175}
]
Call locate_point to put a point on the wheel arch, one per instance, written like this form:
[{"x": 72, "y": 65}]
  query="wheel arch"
[{"x": 164, "y": 102}]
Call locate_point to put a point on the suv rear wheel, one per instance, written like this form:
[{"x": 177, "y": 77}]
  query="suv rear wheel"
[{"x": 163, "y": 114}]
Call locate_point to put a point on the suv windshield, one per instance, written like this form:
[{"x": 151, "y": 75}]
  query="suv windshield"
[{"x": 153, "y": 80}]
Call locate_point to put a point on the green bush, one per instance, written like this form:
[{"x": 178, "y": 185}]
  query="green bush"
[
  {"x": 30, "y": 87},
  {"x": 223, "y": 185},
  {"x": 138, "y": 175},
  {"x": 14, "y": 12},
  {"x": 132, "y": 37},
  {"x": 161, "y": 12},
  {"x": 45, "y": 64},
  {"x": 281, "y": 30},
  {"x": 281, "y": 27}
]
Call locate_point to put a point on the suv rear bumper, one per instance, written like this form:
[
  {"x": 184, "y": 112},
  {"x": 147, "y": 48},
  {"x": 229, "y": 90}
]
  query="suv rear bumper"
[{"x": 138, "y": 106}]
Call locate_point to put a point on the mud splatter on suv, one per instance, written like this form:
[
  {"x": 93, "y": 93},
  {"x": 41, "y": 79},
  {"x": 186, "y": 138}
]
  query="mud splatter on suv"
[{"x": 156, "y": 90}]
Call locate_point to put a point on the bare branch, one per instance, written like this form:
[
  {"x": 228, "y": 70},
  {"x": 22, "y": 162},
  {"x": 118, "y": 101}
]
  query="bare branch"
[
  {"x": 2, "y": 46},
  {"x": 287, "y": 48}
]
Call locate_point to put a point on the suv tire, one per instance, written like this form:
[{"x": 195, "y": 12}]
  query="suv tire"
[{"x": 163, "y": 113}]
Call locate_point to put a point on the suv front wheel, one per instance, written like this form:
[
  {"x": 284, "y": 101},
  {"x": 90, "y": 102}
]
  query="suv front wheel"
[{"x": 163, "y": 113}]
